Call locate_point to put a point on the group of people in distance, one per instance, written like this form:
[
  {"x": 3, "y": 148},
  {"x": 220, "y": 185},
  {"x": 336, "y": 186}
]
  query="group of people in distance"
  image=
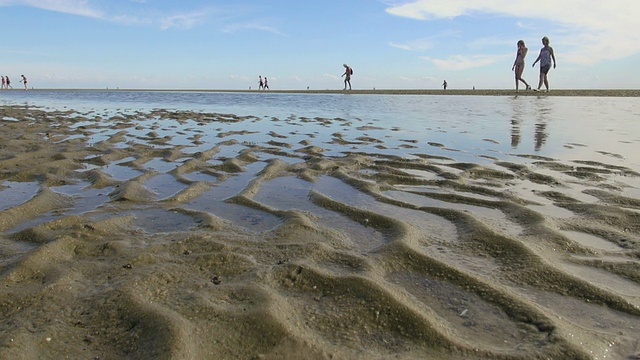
[
  {"x": 545, "y": 58},
  {"x": 263, "y": 83},
  {"x": 6, "y": 82}
]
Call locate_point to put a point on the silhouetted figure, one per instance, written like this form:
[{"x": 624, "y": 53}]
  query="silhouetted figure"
[
  {"x": 24, "y": 81},
  {"x": 348, "y": 71}
]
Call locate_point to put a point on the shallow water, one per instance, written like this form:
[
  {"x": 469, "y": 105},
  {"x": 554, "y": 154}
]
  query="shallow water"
[
  {"x": 345, "y": 226},
  {"x": 588, "y": 128}
]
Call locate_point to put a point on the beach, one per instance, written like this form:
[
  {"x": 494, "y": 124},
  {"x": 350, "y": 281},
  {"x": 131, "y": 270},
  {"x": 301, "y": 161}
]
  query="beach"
[{"x": 187, "y": 233}]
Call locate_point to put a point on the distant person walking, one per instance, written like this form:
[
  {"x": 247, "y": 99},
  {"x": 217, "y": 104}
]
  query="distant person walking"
[
  {"x": 444, "y": 85},
  {"x": 518, "y": 64},
  {"x": 24, "y": 81},
  {"x": 348, "y": 71},
  {"x": 260, "y": 83},
  {"x": 545, "y": 57},
  {"x": 4, "y": 83},
  {"x": 8, "y": 82},
  {"x": 266, "y": 83}
]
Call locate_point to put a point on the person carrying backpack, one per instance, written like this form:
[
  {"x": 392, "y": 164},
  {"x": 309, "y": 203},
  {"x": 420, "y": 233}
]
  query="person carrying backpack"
[{"x": 348, "y": 71}]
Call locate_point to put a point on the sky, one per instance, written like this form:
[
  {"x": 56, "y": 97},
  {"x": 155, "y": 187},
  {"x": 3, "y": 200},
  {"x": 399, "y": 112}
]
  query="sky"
[{"x": 227, "y": 44}]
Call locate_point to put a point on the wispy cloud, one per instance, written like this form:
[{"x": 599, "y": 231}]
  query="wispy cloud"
[
  {"x": 136, "y": 12},
  {"x": 482, "y": 43},
  {"x": 74, "y": 7},
  {"x": 423, "y": 44},
  {"x": 255, "y": 25},
  {"x": 186, "y": 20},
  {"x": 593, "y": 31},
  {"x": 459, "y": 62}
]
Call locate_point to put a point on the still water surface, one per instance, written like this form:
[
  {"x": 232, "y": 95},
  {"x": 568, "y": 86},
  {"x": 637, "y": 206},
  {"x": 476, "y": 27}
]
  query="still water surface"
[{"x": 461, "y": 127}]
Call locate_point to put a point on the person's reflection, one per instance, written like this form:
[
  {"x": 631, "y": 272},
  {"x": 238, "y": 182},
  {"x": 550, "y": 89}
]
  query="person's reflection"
[
  {"x": 516, "y": 120},
  {"x": 543, "y": 110}
]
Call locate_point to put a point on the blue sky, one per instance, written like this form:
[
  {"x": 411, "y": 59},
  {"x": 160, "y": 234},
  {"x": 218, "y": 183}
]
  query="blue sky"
[{"x": 412, "y": 44}]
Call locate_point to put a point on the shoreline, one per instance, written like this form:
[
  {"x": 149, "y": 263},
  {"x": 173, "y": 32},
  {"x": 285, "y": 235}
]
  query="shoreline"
[{"x": 463, "y": 92}]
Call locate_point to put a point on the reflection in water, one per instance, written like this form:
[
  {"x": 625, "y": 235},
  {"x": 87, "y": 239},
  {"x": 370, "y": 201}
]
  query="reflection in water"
[
  {"x": 543, "y": 110},
  {"x": 540, "y": 135},
  {"x": 516, "y": 120}
]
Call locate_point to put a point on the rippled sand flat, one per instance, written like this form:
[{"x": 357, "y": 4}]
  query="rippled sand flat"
[{"x": 183, "y": 235}]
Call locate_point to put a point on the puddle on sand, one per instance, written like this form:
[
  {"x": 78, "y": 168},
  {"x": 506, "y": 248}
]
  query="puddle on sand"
[
  {"x": 119, "y": 172},
  {"x": 164, "y": 185},
  {"x": 591, "y": 241},
  {"x": 15, "y": 193},
  {"x": 159, "y": 220},
  {"x": 160, "y": 165},
  {"x": 85, "y": 198},
  {"x": 291, "y": 193}
]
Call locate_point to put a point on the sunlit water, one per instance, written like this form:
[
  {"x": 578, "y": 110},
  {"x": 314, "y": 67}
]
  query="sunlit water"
[
  {"x": 460, "y": 127},
  {"x": 572, "y": 161}
]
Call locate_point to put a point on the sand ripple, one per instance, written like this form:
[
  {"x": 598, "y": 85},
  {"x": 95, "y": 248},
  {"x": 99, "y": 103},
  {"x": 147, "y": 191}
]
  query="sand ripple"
[{"x": 246, "y": 247}]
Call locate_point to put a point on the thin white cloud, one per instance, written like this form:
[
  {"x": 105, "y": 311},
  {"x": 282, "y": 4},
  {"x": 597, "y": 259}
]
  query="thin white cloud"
[
  {"x": 184, "y": 20},
  {"x": 111, "y": 11},
  {"x": 423, "y": 44},
  {"x": 459, "y": 62},
  {"x": 485, "y": 42},
  {"x": 74, "y": 7},
  {"x": 591, "y": 31},
  {"x": 236, "y": 27}
]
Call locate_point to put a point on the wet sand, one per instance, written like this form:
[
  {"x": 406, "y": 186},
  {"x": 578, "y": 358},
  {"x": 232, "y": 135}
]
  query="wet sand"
[{"x": 117, "y": 240}]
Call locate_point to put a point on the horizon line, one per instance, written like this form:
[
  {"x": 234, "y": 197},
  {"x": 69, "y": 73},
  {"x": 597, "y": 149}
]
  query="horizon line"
[{"x": 480, "y": 92}]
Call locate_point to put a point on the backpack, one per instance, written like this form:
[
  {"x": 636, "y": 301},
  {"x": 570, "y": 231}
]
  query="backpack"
[{"x": 350, "y": 71}]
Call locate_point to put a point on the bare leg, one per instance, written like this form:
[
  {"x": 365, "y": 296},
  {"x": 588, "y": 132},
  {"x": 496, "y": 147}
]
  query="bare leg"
[{"x": 542, "y": 76}]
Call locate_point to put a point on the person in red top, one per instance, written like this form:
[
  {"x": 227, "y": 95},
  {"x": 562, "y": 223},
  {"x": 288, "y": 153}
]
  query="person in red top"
[
  {"x": 347, "y": 74},
  {"x": 4, "y": 83}
]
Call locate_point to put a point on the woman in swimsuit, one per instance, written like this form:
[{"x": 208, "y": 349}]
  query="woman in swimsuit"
[{"x": 518, "y": 64}]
